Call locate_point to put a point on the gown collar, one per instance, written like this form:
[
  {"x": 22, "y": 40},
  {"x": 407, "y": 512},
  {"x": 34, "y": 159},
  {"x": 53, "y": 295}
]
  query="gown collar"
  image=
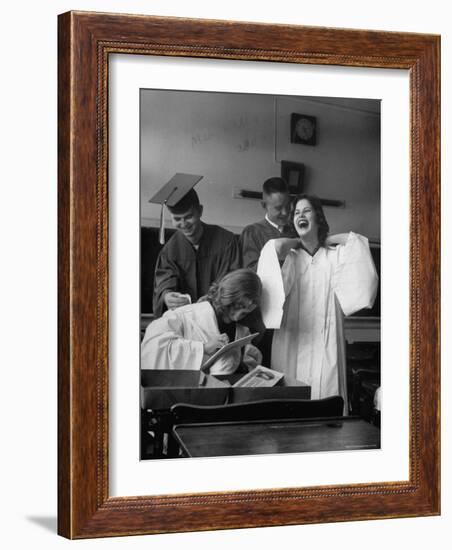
[{"x": 302, "y": 247}]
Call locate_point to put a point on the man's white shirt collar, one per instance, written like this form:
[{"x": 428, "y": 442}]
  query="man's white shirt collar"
[{"x": 272, "y": 223}]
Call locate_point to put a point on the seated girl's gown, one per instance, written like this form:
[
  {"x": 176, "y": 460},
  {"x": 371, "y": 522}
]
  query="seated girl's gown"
[{"x": 176, "y": 340}]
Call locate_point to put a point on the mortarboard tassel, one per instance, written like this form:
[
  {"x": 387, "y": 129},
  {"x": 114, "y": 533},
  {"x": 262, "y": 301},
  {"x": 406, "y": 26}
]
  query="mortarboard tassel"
[{"x": 162, "y": 224}]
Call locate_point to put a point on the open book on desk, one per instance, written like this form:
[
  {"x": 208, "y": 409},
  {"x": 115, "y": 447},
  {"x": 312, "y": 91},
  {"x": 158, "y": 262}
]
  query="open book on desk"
[
  {"x": 260, "y": 377},
  {"x": 228, "y": 347}
]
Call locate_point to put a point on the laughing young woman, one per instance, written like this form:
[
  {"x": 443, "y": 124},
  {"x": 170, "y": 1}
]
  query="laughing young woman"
[{"x": 324, "y": 279}]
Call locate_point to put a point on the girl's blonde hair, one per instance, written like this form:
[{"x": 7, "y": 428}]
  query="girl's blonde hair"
[{"x": 233, "y": 288}]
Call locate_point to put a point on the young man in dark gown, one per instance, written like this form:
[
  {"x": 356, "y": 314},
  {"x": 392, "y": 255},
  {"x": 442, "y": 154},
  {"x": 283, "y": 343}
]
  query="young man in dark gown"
[
  {"x": 276, "y": 223},
  {"x": 197, "y": 255}
]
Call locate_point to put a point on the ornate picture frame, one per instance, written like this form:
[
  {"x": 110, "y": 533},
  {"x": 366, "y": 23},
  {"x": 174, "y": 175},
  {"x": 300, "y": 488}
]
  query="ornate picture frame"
[{"x": 86, "y": 40}]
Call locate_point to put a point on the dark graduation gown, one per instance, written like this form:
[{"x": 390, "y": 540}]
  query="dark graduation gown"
[
  {"x": 182, "y": 268},
  {"x": 254, "y": 237}
]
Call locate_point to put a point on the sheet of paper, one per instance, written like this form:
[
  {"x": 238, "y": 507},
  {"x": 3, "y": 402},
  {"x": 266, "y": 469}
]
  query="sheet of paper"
[{"x": 228, "y": 347}]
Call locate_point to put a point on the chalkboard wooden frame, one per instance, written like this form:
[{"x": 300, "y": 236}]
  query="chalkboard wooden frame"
[{"x": 86, "y": 40}]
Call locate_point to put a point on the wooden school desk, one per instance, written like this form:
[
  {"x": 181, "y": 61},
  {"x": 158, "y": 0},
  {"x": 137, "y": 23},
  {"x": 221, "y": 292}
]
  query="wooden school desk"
[{"x": 271, "y": 437}]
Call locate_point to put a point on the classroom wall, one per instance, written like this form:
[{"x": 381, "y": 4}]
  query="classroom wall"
[{"x": 236, "y": 141}]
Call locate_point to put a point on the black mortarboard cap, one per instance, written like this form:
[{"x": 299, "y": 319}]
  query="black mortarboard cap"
[{"x": 178, "y": 187}]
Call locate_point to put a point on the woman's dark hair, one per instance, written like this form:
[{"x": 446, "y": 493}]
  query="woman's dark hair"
[
  {"x": 233, "y": 288},
  {"x": 316, "y": 204}
]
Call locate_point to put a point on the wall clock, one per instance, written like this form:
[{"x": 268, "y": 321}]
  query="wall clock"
[{"x": 302, "y": 129}]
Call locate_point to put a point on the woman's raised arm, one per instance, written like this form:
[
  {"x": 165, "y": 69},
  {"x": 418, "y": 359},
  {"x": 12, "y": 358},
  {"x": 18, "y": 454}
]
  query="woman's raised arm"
[{"x": 284, "y": 245}]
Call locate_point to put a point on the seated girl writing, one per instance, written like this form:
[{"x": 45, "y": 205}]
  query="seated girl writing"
[{"x": 185, "y": 338}]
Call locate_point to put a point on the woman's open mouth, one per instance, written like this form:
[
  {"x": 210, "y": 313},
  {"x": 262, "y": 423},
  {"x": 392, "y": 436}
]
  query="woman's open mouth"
[{"x": 302, "y": 224}]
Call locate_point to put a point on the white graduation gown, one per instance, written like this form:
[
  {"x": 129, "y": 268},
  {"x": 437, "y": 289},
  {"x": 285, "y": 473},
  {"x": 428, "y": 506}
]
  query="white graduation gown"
[
  {"x": 319, "y": 290},
  {"x": 175, "y": 340}
]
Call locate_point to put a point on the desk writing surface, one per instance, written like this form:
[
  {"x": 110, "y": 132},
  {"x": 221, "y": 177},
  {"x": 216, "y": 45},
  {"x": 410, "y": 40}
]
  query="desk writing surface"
[{"x": 282, "y": 436}]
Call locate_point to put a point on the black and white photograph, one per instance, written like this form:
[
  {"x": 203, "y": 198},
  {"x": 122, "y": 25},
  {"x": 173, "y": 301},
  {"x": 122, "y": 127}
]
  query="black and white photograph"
[
  {"x": 260, "y": 226},
  {"x": 224, "y": 235}
]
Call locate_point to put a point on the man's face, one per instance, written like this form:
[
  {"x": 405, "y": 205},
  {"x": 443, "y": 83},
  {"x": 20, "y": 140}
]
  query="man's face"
[
  {"x": 189, "y": 223},
  {"x": 278, "y": 208}
]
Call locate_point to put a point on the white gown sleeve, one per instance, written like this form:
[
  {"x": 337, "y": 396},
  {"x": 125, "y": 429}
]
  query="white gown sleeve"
[
  {"x": 164, "y": 345},
  {"x": 273, "y": 288},
  {"x": 355, "y": 278}
]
